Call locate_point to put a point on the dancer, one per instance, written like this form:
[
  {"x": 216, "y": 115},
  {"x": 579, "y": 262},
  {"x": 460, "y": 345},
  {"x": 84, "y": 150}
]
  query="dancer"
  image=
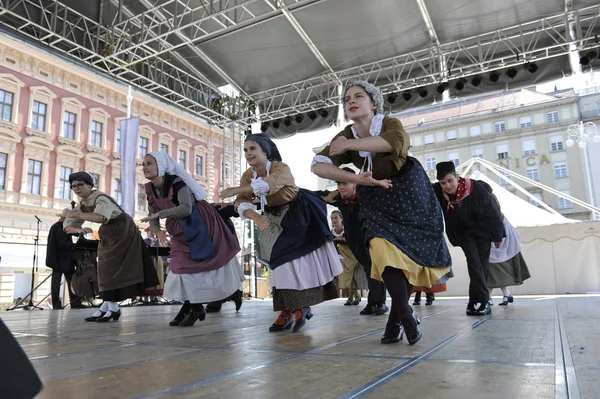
[
  {"x": 345, "y": 199},
  {"x": 352, "y": 280},
  {"x": 204, "y": 267},
  {"x": 294, "y": 235},
  {"x": 507, "y": 265},
  {"x": 473, "y": 221},
  {"x": 125, "y": 268},
  {"x": 400, "y": 216}
]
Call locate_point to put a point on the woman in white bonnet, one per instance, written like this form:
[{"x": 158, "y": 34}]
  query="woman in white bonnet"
[{"x": 204, "y": 266}]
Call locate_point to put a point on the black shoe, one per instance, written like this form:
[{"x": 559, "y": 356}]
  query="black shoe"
[
  {"x": 393, "y": 334},
  {"x": 483, "y": 309},
  {"x": 108, "y": 317},
  {"x": 369, "y": 309},
  {"x": 213, "y": 308},
  {"x": 306, "y": 315},
  {"x": 506, "y": 300},
  {"x": 237, "y": 298},
  {"x": 94, "y": 318},
  {"x": 191, "y": 317},
  {"x": 490, "y": 302},
  {"x": 186, "y": 308},
  {"x": 381, "y": 309},
  {"x": 348, "y": 302},
  {"x": 417, "y": 303},
  {"x": 411, "y": 327},
  {"x": 288, "y": 321},
  {"x": 470, "y": 309},
  {"x": 429, "y": 299},
  {"x": 356, "y": 303}
]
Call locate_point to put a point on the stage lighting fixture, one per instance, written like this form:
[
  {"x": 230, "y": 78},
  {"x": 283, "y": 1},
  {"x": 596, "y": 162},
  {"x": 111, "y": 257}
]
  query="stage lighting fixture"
[
  {"x": 299, "y": 118},
  {"x": 460, "y": 84},
  {"x": 511, "y": 72},
  {"x": 587, "y": 57},
  {"x": 276, "y": 124},
  {"x": 312, "y": 115},
  {"x": 407, "y": 95},
  {"x": 392, "y": 97},
  {"x": 422, "y": 92},
  {"x": 287, "y": 121},
  {"x": 323, "y": 112},
  {"x": 264, "y": 126},
  {"x": 442, "y": 87},
  {"x": 494, "y": 76},
  {"x": 476, "y": 80},
  {"x": 531, "y": 67}
]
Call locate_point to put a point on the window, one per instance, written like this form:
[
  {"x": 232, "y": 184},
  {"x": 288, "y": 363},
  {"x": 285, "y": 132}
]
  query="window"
[
  {"x": 96, "y": 134},
  {"x": 6, "y": 105},
  {"x": 141, "y": 198},
  {"x": 533, "y": 174},
  {"x": 560, "y": 170},
  {"x": 117, "y": 190},
  {"x": 534, "y": 202},
  {"x": 3, "y": 170},
  {"x": 564, "y": 203},
  {"x": 118, "y": 141},
  {"x": 182, "y": 158},
  {"x": 64, "y": 188},
  {"x": 507, "y": 177},
  {"x": 502, "y": 151},
  {"x": 454, "y": 157},
  {"x": 499, "y": 127},
  {"x": 69, "y": 125},
  {"x": 475, "y": 131},
  {"x": 556, "y": 143},
  {"x": 199, "y": 165},
  {"x": 38, "y": 116},
  {"x": 164, "y": 148},
  {"x": 429, "y": 139},
  {"x": 477, "y": 153},
  {"x": 528, "y": 147},
  {"x": 552, "y": 116},
  {"x": 451, "y": 135},
  {"x": 525, "y": 121},
  {"x": 95, "y": 179},
  {"x": 34, "y": 177},
  {"x": 143, "y": 148},
  {"x": 430, "y": 162}
]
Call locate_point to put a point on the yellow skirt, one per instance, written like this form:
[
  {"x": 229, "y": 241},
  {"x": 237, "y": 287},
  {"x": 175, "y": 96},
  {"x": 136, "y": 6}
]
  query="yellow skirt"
[{"x": 384, "y": 253}]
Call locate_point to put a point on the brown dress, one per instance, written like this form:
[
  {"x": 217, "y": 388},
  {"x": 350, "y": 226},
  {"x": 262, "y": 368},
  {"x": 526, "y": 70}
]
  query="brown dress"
[{"x": 125, "y": 268}]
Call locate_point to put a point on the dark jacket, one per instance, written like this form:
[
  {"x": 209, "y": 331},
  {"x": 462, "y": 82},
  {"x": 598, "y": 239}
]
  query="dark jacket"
[
  {"x": 353, "y": 229},
  {"x": 58, "y": 253},
  {"x": 476, "y": 215},
  {"x": 226, "y": 213}
]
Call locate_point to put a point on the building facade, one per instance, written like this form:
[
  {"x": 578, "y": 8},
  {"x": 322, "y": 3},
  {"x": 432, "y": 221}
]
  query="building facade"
[
  {"x": 589, "y": 108},
  {"x": 521, "y": 130},
  {"x": 57, "y": 118}
]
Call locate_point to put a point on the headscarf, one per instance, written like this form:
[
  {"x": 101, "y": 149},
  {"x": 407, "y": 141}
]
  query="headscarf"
[
  {"x": 369, "y": 88},
  {"x": 167, "y": 165},
  {"x": 81, "y": 176},
  {"x": 267, "y": 145},
  {"x": 465, "y": 188}
]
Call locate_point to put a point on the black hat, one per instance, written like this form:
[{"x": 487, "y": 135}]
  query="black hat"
[
  {"x": 347, "y": 169},
  {"x": 444, "y": 169}
]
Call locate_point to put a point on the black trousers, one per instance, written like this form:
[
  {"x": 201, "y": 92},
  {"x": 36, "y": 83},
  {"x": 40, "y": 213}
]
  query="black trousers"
[
  {"x": 55, "y": 289},
  {"x": 376, "y": 288},
  {"x": 477, "y": 251}
]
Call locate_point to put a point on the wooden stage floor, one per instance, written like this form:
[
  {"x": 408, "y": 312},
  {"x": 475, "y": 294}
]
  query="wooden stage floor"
[{"x": 538, "y": 347}]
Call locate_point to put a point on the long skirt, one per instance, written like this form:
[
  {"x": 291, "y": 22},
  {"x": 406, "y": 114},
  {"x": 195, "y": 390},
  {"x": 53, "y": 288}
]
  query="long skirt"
[
  {"x": 512, "y": 272},
  {"x": 434, "y": 289},
  {"x": 125, "y": 267},
  {"x": 404, "y": 227},
  {"x": 297, "y": 247}
]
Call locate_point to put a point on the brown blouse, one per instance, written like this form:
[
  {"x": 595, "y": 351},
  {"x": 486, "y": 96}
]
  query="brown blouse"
[
  {"x": 385, "y": 165},
  {"x": 282, "y": 186}
]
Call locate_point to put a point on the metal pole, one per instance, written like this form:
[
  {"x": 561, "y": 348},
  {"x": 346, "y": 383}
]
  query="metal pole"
[
  {"x": 129, "y": 101},
  {"x": 252, "y": 268}
]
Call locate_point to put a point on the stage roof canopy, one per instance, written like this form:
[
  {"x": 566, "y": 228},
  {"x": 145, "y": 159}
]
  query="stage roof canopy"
[{"x": 289, "y": 57}]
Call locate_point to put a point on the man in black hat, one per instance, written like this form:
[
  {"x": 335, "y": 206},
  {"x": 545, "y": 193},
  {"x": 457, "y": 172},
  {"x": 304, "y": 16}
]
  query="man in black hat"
[
  {"x": 473, "y": 222},
  {"x": 345, "y": 200},
  {"x": 58, "y": 258}
]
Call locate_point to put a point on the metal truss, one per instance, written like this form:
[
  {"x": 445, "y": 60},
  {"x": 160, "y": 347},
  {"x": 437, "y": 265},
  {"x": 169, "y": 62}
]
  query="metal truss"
[
  {"x": 528, "y": 42},
  {"x": 131, "y": 49}
]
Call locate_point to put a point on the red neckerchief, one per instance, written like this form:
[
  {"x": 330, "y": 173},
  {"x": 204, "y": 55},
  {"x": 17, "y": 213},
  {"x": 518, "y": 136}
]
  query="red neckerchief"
[
  {"x": 465, "y": 187},
  {"x": 350, "y": 200}
]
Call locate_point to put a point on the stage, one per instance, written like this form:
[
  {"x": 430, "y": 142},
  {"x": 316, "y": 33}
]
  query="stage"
[{"x": 538, "y": 347}]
